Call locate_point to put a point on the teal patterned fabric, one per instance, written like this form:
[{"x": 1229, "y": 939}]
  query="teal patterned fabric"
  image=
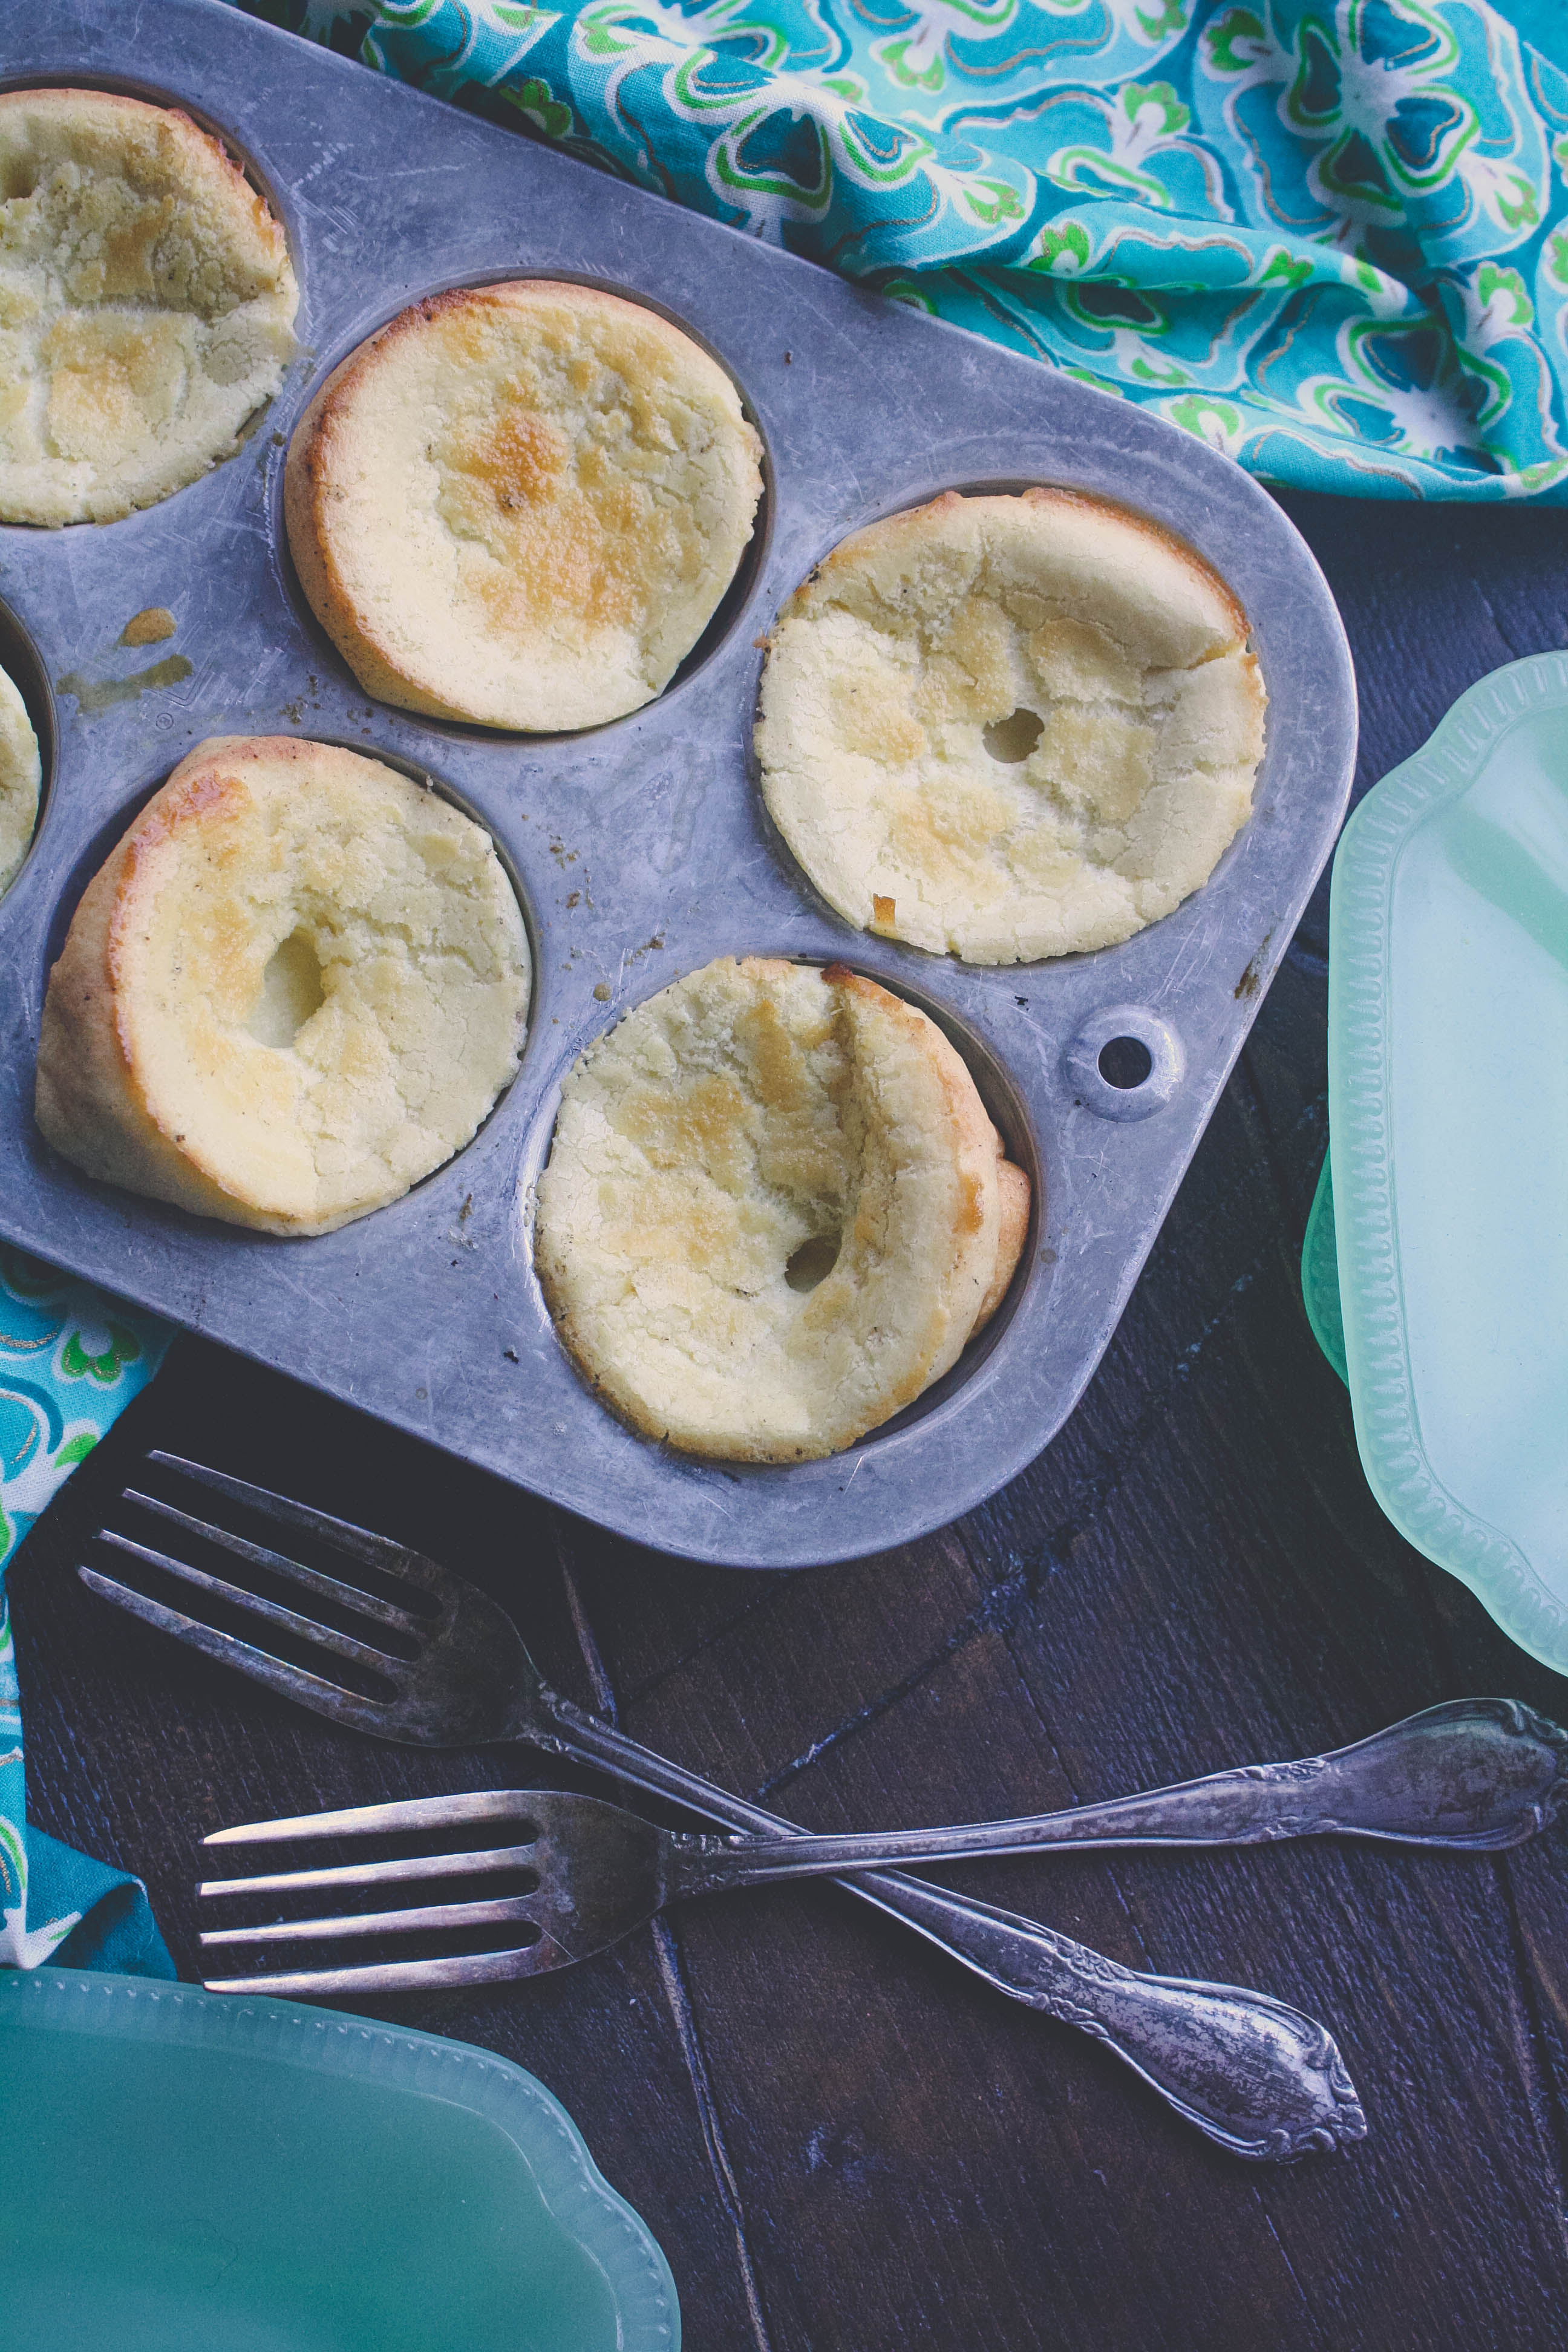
[
  {"x": 1328, "y": 236},
  {"x": 70, "y": 1361}
]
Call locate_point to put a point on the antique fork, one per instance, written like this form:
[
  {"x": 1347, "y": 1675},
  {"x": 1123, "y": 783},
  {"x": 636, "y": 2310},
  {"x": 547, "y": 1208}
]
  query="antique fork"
[
  {"x": 590, "y": 1872},
  {"x": 1257, "y": 2077},
  {"x": 586, "y": 1872}
]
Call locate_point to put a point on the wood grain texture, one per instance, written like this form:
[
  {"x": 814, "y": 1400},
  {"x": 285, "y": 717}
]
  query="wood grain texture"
[{"x": 844, "y": 2144}]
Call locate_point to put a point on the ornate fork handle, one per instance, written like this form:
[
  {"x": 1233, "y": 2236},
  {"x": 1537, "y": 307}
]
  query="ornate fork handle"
[
  {"x": 1473, "y": 1774},
  {"x": 1260, "y": 2079}
]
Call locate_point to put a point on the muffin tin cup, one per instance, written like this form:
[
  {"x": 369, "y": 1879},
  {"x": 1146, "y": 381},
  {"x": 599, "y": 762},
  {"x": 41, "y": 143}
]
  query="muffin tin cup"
[{"x": 641, "y": 848}]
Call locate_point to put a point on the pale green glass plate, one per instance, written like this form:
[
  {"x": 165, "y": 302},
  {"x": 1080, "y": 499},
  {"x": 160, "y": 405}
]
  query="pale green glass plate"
[
  {"x": 1320, "y": 1273},
  {"x": 187, "y": 2173},
  {"x": 1448, "y": 1128}
]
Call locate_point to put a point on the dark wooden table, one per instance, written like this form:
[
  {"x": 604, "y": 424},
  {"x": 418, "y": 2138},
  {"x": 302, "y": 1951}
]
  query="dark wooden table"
[{"x": 842, "y": 2140}]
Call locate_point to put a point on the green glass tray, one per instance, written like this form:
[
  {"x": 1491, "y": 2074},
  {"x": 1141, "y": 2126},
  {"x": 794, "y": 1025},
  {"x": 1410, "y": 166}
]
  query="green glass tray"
[
  {"x": 185, "y": 2173},
  {"x": 1436, "y": 1264}
]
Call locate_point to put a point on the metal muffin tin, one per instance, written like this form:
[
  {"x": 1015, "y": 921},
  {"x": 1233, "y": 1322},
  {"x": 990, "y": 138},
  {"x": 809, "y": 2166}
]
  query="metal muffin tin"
[{"x": 640, "y": 849}]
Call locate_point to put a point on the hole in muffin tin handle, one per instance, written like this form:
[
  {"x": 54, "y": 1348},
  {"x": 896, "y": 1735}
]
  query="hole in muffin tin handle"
[{"x": 1104, "y": 1058}]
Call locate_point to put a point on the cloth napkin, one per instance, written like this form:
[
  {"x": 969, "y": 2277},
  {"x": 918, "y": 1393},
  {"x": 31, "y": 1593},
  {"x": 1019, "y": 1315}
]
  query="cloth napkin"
[
  {"x": 70, "y": 1361},
  {"x": 1330, "y": 236}
]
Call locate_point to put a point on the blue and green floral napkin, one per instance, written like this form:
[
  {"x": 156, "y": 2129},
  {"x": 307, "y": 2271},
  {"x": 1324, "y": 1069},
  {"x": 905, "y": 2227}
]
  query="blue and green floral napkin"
[
  {"x": 70, "y": 1361},
  {"x": 1328, "y": 236}
]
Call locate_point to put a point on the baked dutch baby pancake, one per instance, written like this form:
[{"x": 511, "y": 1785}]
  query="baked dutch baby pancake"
[
  {"x": 520, "y": 505},
  {"x": 21, "y": 775},
  {"x": 146, "y": 302},
  {"x": 775, "y": 1210},
  {"x": 1008, "y": 728},
  {"x": 295, "y": 988}
]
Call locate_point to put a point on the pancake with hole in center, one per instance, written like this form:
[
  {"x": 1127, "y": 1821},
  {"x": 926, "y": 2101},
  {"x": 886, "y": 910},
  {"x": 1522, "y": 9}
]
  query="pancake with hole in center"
[
  {"x": 520, "y": 505},
  {"x": 146, "y": 302},
  {"x": 775, "y": 1212},
  {"x": 295, "y": 987},
  {"x": 1010, "y": 728},
  {"x": 21, "y": 779}
]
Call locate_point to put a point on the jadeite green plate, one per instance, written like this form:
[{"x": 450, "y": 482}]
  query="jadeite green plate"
[
  {"x": 180, "y": 2172},
  {"x": 1446, "y": 1213},
  {"x": 1320, "y": 1273}
]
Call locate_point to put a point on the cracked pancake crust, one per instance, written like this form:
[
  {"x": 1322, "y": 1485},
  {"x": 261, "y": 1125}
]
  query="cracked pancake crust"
[
  {"x": 522, "y": 505},
  {"x": 146, "y": 303},
  {"x": 295, "y": 988},
  {"x": 21, "y": 777},
  {"x": 775, "y": 1210},
  {"x": 1010, "y": 728}
]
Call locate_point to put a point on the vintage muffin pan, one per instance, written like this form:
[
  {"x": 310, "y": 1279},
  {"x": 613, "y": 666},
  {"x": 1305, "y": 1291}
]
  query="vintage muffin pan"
[{"x": 640, "y": 849}]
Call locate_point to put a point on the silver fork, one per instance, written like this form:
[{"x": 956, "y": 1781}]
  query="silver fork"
[
  {"x": 588, "y": 1872},
  {"x": 1256, "y": 2076}
]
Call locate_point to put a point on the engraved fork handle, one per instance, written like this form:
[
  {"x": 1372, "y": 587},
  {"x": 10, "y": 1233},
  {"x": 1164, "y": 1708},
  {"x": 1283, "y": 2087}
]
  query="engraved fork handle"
[
  {"x": 1473, "y": 1775},
  {"x": 1260, "y": 2079}
]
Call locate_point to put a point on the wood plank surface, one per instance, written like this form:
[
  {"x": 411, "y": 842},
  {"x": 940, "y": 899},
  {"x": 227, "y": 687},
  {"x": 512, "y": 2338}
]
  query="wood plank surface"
[{"x": 843, "y": 2143}]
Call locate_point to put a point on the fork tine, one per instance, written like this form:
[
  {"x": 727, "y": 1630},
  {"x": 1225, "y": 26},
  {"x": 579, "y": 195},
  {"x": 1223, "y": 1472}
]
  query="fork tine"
[
  {"x": 404, "y": 1976},
  {"x": 412, "y": 1813},
  {"x": 291, "y": 1681},
  {"x": 324, "y": 1637},
  {"x": 328, "y": 1588},
  {"x": 378, "y": 1923},
  {"x": 377, "y": 1874},
  {"x": 393, "y": 1560}
]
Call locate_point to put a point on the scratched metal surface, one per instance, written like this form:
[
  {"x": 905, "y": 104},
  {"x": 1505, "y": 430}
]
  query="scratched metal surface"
[{"x": 640, "y": 849}]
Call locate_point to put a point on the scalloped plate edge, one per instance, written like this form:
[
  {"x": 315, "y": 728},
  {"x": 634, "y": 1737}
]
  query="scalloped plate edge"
[{"x": 577, "y": 2196}]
